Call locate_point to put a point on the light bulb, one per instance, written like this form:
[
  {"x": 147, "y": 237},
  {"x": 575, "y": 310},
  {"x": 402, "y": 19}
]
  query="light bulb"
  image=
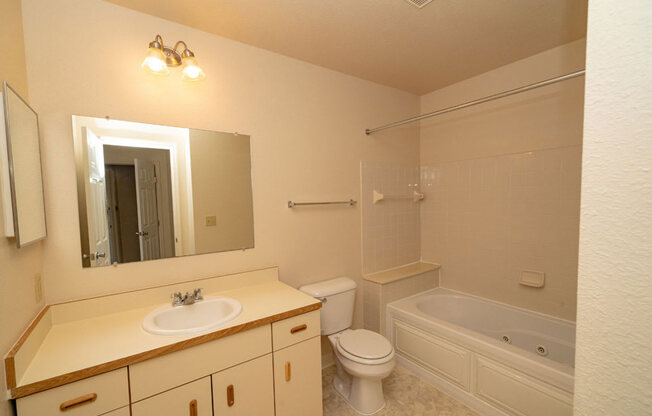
[
  {"x": 191, "y": 70},
  {"x": 155, "y": 62}
]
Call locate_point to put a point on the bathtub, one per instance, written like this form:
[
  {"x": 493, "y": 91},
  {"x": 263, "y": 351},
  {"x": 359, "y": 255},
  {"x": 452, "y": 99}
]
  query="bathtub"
[{"x": 497, "y": 359}]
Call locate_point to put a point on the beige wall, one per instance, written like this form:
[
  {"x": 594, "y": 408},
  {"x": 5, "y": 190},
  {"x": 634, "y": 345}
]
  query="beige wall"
[
  {"x": 613, "y": 358},
  {"x": 18, "y": 268},
  {"x": 221, "y": 187},
  {"x": 502, "y": 183},
  {"x": 306, "y": 125}
]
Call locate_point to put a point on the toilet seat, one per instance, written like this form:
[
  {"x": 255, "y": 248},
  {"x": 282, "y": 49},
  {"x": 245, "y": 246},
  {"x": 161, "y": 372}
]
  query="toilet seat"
[{"x": 365, "y": 347}]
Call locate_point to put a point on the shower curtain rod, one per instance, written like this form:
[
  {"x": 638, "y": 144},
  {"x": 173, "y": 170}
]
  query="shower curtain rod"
[{"x": 478, "y": 101}]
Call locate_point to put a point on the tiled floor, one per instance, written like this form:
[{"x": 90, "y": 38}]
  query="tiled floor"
[{"x": 405, "y": 395}]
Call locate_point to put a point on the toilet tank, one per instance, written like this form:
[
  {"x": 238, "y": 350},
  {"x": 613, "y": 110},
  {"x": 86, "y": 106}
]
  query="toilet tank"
[{"x": 338, "y": 298}]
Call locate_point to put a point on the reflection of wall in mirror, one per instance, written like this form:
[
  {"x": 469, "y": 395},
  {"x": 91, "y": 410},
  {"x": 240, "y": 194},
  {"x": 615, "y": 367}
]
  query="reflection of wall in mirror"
[{"x": 221, "y": 188}]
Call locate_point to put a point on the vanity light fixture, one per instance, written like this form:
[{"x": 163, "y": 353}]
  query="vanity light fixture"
[{"x": 160, "y": 57}]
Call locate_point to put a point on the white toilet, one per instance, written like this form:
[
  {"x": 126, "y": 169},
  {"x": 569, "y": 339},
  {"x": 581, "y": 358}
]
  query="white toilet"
[{"x": 363, "y": 357}]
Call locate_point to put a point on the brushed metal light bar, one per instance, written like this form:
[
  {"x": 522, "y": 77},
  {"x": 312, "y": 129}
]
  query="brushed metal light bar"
[{"x": 478, "y": 101}]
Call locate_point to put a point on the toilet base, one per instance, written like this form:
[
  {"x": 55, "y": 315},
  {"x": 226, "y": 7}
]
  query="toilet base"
[
  {"x": 360, "y": 384},
  {"x": 364, "y": 394},
  {"x": 363, "y": 402}
]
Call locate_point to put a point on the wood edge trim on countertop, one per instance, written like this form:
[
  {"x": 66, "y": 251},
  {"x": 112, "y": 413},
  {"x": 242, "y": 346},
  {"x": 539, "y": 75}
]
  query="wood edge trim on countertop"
[
  {"x": 26, "y": 390},
  {"x": 10, "y": 363},
  {"x": 10, "y": 372},
  {"x": 165, "y": 285}
]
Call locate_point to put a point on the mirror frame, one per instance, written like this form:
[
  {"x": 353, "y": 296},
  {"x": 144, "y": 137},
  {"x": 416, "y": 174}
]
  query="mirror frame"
[{"x": 11, "y": 168}]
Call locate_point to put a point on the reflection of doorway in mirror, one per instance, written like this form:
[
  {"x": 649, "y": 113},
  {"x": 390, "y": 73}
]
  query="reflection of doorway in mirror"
[
  {"x": 123, "y": 212},
  {"x": 139, "y": 198}
]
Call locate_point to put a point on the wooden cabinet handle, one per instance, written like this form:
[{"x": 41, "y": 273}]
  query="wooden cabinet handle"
[
  {"x": 193, "y": 408},
  {"x": 288, "y": 371},
  {"x": 299, "y": 328},
  {"x": 230, "y": 396},
  {"x": 85, "y": 399}
]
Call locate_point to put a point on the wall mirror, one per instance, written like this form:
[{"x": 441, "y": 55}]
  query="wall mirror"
[
  {"x": 149, "y": 192},
  {"x": 22, "y": 178}
]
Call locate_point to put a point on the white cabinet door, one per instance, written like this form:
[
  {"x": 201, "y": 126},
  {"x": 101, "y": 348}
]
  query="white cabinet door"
[
  {"x": 246, "y": 389},
  {"x": 192, "y": 399},
  {"x": 297, "y": 379}
]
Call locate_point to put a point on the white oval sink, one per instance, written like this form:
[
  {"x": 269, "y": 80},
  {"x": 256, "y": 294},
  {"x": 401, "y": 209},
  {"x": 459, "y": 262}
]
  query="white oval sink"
[{"x": 188, "y": 319}]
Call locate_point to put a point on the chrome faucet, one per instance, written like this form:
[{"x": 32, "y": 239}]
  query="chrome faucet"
[{"x": 188, "y": 299}]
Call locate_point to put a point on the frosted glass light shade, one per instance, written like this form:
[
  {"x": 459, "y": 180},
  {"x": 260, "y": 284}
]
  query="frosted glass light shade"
[
  {"x": 155, "y": 62},
  {"x": 191, "y": 70}
]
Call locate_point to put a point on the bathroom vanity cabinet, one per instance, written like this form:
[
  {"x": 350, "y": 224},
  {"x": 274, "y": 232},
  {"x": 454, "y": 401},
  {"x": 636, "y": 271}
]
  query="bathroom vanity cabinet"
[
  {"x": 264, "y": 367},
  {"x": 236, "y": 375}
]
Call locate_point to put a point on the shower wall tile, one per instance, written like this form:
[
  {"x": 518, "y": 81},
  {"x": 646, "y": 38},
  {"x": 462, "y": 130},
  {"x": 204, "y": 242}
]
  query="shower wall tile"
[
  {"x": 391, "y": 228},
  {"x": 485, "y": 220}
]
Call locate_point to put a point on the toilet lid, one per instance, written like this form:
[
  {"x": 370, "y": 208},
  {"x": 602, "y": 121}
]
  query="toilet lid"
[{"x": 365, "y": 344}]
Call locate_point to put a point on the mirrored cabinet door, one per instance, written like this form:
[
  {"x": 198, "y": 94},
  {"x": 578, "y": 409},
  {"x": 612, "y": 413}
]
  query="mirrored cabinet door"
[{"x": 22, "y": 178}]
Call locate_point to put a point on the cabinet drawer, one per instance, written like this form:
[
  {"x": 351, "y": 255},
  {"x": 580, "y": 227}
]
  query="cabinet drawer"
[
  {"x": 445, "y": 359},
  {"x": 171, "y": 370},
  {"x": 245, "y": 390},
  {"x": 517, "y": 393},
  {"x": 296, "y": 329},
  {"x": 179, "y": 401},
  {"x": 297, "y": 379},
  {"x": 88, "y": 397}
]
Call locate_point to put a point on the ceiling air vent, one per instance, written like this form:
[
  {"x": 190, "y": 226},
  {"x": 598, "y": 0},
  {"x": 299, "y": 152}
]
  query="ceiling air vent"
[{"x": 418, "y": 3}]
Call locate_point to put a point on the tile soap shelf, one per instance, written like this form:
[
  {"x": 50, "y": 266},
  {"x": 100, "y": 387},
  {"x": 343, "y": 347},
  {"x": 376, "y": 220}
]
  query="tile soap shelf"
[{"x": 379, "y": 196}]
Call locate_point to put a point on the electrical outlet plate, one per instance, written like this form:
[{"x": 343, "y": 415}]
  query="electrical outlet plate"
[
  {"x": 211, "y": 221},
  {"x": 38, "y": 288}
]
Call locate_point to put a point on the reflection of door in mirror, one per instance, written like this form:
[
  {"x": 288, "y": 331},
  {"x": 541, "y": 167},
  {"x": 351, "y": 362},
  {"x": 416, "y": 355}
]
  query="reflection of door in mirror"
[
  {"x": 98, "y": 223},
  {"x": 139, "y": 197},
  {"x": 148, "y": 238}
]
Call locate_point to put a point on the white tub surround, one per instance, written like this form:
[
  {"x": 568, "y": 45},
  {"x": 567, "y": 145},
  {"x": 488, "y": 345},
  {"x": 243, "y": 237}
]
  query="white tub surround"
[
  {"x": 497, "y": 359},
  {"x": 76, "y": 340},
  {"x": 389, "y": 285}
]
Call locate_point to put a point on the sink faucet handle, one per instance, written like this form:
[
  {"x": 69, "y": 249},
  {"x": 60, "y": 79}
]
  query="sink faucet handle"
[
  {"x": 177, "y": 298},
  {"x": 197, "y": 293}
]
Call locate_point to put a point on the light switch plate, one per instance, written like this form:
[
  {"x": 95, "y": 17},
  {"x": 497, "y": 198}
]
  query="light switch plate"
[{"x": 211, "y": 221}]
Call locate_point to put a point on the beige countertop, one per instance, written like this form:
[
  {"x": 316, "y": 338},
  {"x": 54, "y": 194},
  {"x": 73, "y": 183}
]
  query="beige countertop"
[{"x": 75, "y": 349}]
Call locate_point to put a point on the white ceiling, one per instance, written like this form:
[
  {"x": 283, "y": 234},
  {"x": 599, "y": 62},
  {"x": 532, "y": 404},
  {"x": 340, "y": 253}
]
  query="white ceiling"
[{"x": 389, "y": 42}]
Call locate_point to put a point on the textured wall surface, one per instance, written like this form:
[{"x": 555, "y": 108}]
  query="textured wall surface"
[
  {"x": 614, "y": 326},
  {"x": 18, "y": 267}
]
